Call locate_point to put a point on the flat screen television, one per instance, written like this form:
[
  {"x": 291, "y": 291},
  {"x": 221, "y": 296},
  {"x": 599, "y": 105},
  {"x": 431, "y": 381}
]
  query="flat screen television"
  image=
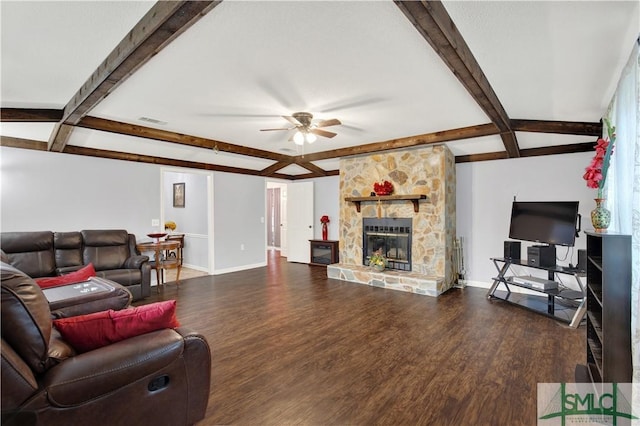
[{"x": 550, "y": 222}]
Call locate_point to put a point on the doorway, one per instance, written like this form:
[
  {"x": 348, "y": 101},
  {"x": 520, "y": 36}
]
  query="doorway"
[
  {"x": 277, "y": 217},
  {"x": 274, "y": 220},
  {"x": 192, "y": 215}
]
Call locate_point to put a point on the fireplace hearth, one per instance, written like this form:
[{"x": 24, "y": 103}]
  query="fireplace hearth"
[{"x": 390, "y": 237}]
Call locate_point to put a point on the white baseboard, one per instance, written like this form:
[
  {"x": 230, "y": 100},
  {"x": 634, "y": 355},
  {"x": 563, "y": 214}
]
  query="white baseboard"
[
  {"x": 239, "y": 268},
  {"x": 471, "y": 283},
  {"x": 195, "y": 267}
]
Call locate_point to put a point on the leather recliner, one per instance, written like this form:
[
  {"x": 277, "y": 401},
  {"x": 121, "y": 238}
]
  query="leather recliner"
[{"x": 156, "y": 378}]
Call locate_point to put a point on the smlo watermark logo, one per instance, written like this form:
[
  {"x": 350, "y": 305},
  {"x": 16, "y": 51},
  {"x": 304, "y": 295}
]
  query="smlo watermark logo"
[{"x": 585, "y": 404}]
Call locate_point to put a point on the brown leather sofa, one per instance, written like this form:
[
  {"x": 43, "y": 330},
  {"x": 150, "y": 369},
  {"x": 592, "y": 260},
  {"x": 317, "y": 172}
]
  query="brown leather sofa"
[
  {"x": 112, "y": 252},
  {"x": 158, "y": 378}
]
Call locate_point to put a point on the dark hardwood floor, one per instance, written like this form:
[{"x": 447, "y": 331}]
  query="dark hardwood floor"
[{"x": 290, "y": 346}]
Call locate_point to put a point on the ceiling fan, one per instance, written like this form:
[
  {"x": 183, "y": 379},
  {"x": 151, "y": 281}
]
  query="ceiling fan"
[{"x": 306, "y": 129}]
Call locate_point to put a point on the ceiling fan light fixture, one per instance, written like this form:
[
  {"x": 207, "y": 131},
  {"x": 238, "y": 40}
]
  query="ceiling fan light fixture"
[
  {"x": 310, "y": 138},
  {"x": 305, "y": 129}
]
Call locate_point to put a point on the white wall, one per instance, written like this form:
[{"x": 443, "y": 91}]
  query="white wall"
[
  {"x": 62, "y": 192},
  {"x": 326, "y": 201},
  {"x": 240, "y": 233},
  {"x": 485, "y": 191}
]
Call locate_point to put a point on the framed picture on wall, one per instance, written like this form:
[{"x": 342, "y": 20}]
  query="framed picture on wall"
[{"x": 178, "y": 194}]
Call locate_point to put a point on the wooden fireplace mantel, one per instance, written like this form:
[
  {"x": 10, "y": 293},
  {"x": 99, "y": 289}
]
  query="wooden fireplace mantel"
[{"x": 414, "y": 198}]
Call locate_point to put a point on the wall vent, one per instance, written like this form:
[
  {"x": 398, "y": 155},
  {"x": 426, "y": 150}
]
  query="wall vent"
[{"x": 152, "y": 120}]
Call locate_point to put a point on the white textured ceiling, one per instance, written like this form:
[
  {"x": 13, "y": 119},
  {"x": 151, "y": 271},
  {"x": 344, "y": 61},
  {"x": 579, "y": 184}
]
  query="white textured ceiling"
[
  {"x": 247, "y": 63},
  {"x": 50, "y": 48},
  {"x": 550, "y": 60}
]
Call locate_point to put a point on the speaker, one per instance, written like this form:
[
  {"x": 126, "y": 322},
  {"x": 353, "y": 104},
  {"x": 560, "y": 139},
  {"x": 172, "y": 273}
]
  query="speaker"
[
  {"x": 582, "y": 260},
  {"x": 544, "y": 256},
  {"x": 512, "y": 250}
]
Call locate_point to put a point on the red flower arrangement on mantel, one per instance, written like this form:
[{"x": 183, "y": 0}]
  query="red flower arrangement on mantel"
[
  {"x": 324, "y": 219},
  {"x": 596, "y": 172},
  {"x": 384, "y": 188}
]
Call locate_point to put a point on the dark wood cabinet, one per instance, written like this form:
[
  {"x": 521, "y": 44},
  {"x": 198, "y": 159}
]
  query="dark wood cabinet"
[
  {"x": 324, "y": 252},
  {"x": 609, "y": 307}
]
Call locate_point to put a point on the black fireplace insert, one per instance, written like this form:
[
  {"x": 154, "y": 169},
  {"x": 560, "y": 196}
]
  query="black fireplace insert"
[{"x": 390, "y": 237}]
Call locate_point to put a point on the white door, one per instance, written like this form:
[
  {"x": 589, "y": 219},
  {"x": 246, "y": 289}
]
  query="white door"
[{"x": 299, "y": 221}]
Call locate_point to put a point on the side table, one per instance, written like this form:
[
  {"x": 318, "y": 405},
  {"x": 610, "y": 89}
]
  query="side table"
[
  {"x": 170, "y": 253},
  {"x": 160, "y": 262}
]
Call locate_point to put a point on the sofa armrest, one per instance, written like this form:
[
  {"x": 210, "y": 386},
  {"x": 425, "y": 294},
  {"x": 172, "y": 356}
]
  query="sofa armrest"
[
  {"x": 97, "y": 373},
  {"x": 198, "y": 369},
  {"x": 135, "y": 262}
]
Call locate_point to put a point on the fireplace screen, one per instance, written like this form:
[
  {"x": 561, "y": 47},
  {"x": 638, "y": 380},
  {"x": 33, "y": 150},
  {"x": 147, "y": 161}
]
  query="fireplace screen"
[{"x": 390, "y": 237}]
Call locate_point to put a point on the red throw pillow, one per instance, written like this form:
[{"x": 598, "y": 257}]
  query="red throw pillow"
[
  {"x": 78, "y": 276},
  {"x": 92, "y": 331}
]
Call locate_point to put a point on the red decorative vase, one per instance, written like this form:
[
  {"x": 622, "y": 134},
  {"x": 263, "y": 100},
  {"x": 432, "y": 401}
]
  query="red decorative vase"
[{"x": 325, "y": 231}]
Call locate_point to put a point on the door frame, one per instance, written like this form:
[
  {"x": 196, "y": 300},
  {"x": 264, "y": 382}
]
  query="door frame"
[
  {"x": 210, "y": 209},
  {"x": 282, "y": 184}
]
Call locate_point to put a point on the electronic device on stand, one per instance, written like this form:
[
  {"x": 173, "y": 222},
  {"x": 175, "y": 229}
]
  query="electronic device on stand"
[{"x": 549, "y": 223}]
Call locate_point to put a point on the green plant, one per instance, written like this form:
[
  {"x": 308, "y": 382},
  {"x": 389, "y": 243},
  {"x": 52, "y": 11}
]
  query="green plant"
[{"x": 377, "y": 260}]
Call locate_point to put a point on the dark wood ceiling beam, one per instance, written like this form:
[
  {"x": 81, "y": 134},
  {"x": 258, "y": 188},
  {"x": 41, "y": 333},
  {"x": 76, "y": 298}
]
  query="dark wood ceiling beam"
[
  {"x": 426, "y": 139},
  {"x": 12, "y": 142},
  {"x": 315, "y": 170},
  {"x": 115, "y": 155},
  {"x": 34, "y": 115},
  {"x": 125, "y": 156},
  {"x": 433, "y": 22},
  {"x": 530, "y": 152},
  {"x": 165, "y": 21},
  {"x": 560, "y": 149},
  {"x": 117, "y": 127},
  {"x": 509, "y": 141},
  {"x": 313, "y": 175},
  {"x": 487, "y": 156},
  {"x": 318, "y": 171},
  {"x": 59, "y": 136},
  {"x": 558, "y": 127},
  {"x": 272, "y": 169}
]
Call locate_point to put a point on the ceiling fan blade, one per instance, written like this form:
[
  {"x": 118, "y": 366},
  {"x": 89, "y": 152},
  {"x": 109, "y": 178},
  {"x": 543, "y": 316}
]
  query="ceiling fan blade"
[
  {"x": 292, "y": 120},
  {"x": 282, "y": 128},
  {"x": 327, "y": 123},
  {"x": 324, "y": 133}
]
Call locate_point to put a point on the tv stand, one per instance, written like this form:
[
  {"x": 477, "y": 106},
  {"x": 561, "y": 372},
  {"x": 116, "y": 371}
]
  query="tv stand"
[{"x": 559, "y": 303}]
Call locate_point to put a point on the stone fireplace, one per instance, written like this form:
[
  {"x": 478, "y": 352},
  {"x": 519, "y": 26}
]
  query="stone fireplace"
[{"x": 428, "y": 171}]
